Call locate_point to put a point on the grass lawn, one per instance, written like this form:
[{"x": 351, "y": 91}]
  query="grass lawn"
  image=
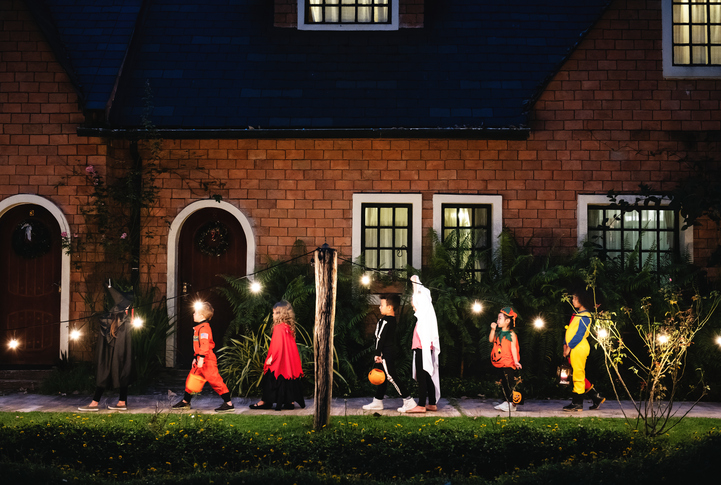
[{"x": 198, "y": 448}]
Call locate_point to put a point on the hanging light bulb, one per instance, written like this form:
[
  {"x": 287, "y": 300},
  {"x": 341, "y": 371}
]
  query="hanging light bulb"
[
  {"x": 539, "y": 323},
  {"x": 13, "y": 344},
  {"x": 663, "y": 339},
  {"x": 255, "y": 287},
  {"x": 365, "y": 280},
  {"x": 137, "y": 322},
  {"x": 198, "y": 305},
  {"x": 477, "y": 307},
  {"x": 75, "y": 334},
  {"x": 602, "y": 333}
]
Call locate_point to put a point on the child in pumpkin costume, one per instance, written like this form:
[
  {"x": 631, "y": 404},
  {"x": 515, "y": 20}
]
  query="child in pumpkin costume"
[{"x": 506, "y": 354}]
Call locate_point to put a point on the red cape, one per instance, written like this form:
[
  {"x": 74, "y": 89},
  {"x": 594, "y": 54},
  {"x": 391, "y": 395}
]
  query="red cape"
[{"x": 284, "y": 352}]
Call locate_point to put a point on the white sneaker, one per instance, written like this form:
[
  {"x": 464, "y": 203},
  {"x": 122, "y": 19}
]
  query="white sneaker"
[
  {"x": 504, "y": 406},
  {"x": 376, "y": 404},
  {"x": 407, "y": 405}
]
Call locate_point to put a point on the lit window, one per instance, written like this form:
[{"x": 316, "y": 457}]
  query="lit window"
[
  {"x": 691, "y": 39},
  {"x": 697, "y": 32},
  {"x": 348, "y": 14},
  {"x": 642, "y": 235},
  {"x": 387, "y": 230},
  {"x": 467, "y": 231}
]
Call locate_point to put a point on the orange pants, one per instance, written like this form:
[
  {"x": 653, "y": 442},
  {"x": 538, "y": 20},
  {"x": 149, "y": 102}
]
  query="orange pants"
[{"x": 209, "y": 372}]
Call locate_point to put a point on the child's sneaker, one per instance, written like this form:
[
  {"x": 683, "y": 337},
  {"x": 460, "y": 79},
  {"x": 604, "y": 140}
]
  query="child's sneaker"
[
  {"x": 88, "y": 409},
  {"x": 376, "y": 404},
  {"x": 181, "y": 405},
  {"x": 224, "y": 408},
  {"x": 505, "y": 407},
  {"x": 408, "y": 404}
]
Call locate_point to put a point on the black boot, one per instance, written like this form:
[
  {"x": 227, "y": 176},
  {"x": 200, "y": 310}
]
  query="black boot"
[
  {"x": 597, "y": 399},
  {"x": 576, "y": 403}
]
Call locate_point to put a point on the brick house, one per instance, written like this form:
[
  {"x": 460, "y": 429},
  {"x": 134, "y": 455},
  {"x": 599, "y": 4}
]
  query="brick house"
[{"x": 358, "y": 127}]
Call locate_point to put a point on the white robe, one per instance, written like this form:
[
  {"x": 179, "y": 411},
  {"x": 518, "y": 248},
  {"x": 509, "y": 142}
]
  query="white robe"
[{"x": 427, "y": 328}]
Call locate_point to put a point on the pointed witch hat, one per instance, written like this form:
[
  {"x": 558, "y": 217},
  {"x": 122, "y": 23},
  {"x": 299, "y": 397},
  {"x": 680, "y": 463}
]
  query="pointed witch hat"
[{"x": 121, "y": 299}]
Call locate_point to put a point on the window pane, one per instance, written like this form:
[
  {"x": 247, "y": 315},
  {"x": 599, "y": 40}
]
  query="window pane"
[
  {"x": 386, "y": 218},
  {"x": 449, "y": 218},
  {"x": 401, "y": 259},
  {"x": 386, "y": 239},
  {"x": 481, "y": 217},
  {"x": 381, "y": 14},
  {"x": 371, "y": 259},
  {"x": 464, "y": 218},
  {"x": 680, "y": 34},
  {"x": 698, "y": 34},
  {"x": 481, "y": 238},
  {"x": 630, "y": 220},
  {"x": 681, "y": 55},
  {"x": 680, "y": 13},
  {"x": 595, "y": 218},
  {"x": 371, "y": 238},
  {"x": 401, "y": 237},
  {"x": 666, "y": 241},
  {"x": 698, "y": 13},
  {"x": 648, "y": 240},
  {"x": 630, "y": 240},
  {"x": 386, "y": 259},
  {"x": 716, "y": 55},
  {"x": 402, "y": 216},
  {"x": 668, "y": 220},
  {"x": 371, "y": 216},
  {"x": 613, "y": 240},
  {"x": 698, "y": 55},
  {"x": 649, "y": 219}
]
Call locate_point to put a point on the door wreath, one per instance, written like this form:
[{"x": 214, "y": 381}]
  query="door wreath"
[{"x": 212, "y": 239}]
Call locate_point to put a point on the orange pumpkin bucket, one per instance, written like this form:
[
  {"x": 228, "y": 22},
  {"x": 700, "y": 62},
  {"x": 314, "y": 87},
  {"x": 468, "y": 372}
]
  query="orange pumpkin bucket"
[{"x": 194, "y": 383}]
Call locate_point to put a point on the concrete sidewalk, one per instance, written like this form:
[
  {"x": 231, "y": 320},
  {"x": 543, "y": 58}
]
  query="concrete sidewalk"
[{"x": 157, "y": 403}]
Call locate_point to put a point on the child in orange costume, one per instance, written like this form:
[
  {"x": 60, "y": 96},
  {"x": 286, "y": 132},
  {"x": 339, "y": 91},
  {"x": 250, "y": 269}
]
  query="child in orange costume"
[{"x": 205, "y": 363}]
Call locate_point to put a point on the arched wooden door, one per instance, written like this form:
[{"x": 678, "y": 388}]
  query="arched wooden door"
[
  {"x": 212, "y": 242},
  {"x": 30, "y": 269}
]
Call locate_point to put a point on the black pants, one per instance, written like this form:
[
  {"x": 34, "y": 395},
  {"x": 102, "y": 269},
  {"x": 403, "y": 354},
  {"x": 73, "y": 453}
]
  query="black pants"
[
  {"x": 426, "y": 389},
  {"x": 122, "y": 393},
  {"x": 508, "y": 382},
  {"x": 391, "y": 376}
]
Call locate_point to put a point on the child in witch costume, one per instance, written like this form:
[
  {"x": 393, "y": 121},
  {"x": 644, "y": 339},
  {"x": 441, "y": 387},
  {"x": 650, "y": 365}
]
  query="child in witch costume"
[
  {"x": 282, "y": 371},
  {"x": 505, "y": 354},
  {"x": 114, "y": 352},
  {"x": 385, "y": 354},
  {"x": 205, "y": 363}
]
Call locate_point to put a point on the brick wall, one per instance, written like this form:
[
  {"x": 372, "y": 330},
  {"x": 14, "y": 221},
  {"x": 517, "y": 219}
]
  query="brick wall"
[{"x": 40, "y": 152}]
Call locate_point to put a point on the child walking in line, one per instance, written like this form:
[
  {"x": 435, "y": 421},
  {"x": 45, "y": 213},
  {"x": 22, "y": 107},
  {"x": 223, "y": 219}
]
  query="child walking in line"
[
  {"x": 385, "y": 350},
  {"x": 205, "y": 363},
  {"x": 505, "y": 354}
]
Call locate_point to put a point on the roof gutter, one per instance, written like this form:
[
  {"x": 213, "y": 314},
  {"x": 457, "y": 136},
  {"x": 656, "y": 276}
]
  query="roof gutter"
[{"x": 510, "y": 133}]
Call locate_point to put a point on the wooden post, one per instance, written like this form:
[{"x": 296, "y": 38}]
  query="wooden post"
[{"x": 326, "y": 276}]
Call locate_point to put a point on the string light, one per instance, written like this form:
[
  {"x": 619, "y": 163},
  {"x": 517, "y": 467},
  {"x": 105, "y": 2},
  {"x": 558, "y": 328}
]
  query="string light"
[
  {"x": 75, "y": 334},
  {"x": 14, "y": 344},
  {"x": 137, "y": 322},
  {"x": 255, "y": 287},
  {"x": 539, "y": 323},
  {"x": 477, "y": 307},
  {"x": 365, "y": 280},
  {"x": 198, "y": 305},
  {"x": 663, "y": 339},
  {"x": 718, "y": 340},
  {"x": 602, "y": 333}
]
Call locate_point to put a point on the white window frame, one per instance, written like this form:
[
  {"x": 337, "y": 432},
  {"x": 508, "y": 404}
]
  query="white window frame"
[
  {"x": 416, "y": 202},
  {"x": 393, "y": 25},
  {"x": 685, "y": 237},
  {"x": 495, "y": 201},
  {"x": 679, "y": 72}
]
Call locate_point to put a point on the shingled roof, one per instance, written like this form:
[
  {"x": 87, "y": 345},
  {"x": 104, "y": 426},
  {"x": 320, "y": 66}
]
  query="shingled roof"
[{"x": 220, "y": 64}]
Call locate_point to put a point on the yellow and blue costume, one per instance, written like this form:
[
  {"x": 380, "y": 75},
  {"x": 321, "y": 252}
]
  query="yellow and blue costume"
[{"x": 577, "y": 340}]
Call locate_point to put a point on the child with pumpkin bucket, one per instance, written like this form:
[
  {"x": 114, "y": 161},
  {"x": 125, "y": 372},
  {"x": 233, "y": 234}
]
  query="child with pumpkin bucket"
[
  {"x": 505, "y": 354},
  {"x": 205, "y": 364},
  {"x": 385, "y": 355}
]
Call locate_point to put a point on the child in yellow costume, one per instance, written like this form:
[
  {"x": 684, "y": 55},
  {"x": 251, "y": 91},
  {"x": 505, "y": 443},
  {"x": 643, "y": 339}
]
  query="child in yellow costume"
[{"x": 576, "y": 348}]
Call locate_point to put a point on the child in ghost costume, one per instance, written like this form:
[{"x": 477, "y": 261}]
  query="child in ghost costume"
[{"x": 426, "y": 347}]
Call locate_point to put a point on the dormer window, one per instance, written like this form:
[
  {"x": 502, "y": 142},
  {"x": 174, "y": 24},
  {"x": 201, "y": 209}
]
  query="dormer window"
[
  {"x": 348, "y": 14},
  {"x": 691, "y": 38}
]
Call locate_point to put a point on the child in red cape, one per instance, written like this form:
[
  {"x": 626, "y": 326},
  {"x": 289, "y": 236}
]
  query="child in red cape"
[{"x": 282, "y": 372}]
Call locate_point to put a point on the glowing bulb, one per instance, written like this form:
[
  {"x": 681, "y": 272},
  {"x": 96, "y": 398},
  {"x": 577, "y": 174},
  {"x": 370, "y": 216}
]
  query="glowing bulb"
[
  {"x": 75, "y": 334},
  {"x": 365, "y": 280},
  {"x": 718, "y": 340},
  {"x": 539, "y": 323},
  {"x": 13, "y": 344},
  {"x": 255, "y": 287},
  {"x": 602, "y": 333},
  {"x": 477, "y": 307},
  {"x": 197, "y": 306},
  {"x": 663, "y": 339},
  {"x": 137, "y": 322}
]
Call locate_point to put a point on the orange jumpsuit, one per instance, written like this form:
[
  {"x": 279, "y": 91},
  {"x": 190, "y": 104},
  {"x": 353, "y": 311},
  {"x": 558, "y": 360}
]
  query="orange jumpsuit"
[{"x": 203, "y": 346}]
